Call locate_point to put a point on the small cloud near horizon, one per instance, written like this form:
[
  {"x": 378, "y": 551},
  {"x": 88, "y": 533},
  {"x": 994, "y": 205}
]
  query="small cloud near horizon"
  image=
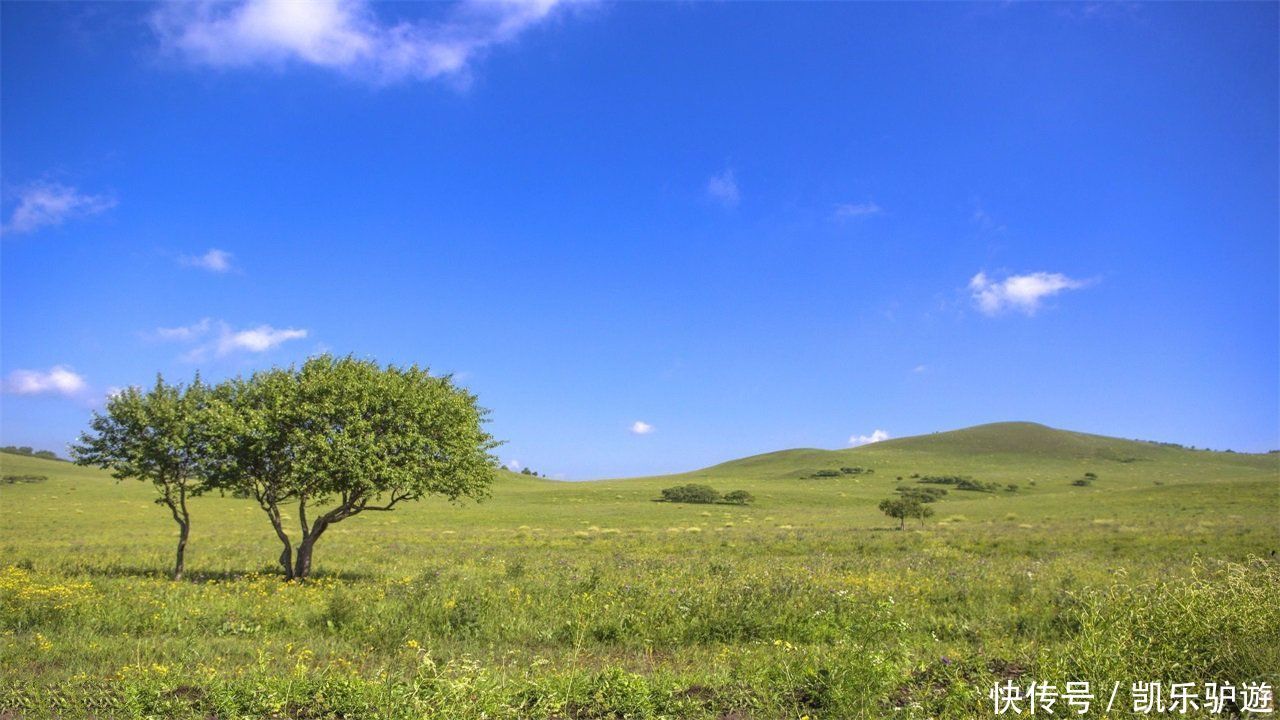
[
  {"x": 875, "y": 437},
  {"x": 1023, "y": 293},
  {"x": 641, "y": 427},
  {"x": 57, "y": 380},
  {"x": 44, "y": 204}
]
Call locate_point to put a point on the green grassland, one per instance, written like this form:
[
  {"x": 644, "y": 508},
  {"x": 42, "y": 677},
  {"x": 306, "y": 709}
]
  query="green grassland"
[{"x": 590, "y": 600}]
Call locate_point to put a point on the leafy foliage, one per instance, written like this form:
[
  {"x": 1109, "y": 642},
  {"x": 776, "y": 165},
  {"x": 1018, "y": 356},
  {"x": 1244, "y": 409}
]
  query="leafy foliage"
[
  {"x": 11, "y": 479},
  {"x": 922, "y": 495},
  {"x": 905, "y": 507},
  {"x": 160, "y": 436},
  {"x": 696, "y": 494},
  {"x": 28, "y": 451},
  {"x": 341, "y": 436},
  {"x": 961, "y": 482},
  {"x": 691, "y": 493}
]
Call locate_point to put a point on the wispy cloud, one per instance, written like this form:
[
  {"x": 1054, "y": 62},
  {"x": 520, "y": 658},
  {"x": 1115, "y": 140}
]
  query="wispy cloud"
[
  {"x": 220, "y": 339},
  {"x": 259, "y": 339},
  {"x": 514, "y": 465},
  {"x": 42, "y": 204},
  {"x": 874, "y": 437},
  {"x": 849, "y": 211},
  {"x": 57, "y": 380},
  {"x": 216, "y": 261},
  {"x": 641, "y": 427},
  {"x": 1022, "y": 293},
  {"x": 985, "y": 221},
  {"x": 347, "y": 36},
  {"x": 185, "y": 333},
  {"x": 723, "y": 188}
]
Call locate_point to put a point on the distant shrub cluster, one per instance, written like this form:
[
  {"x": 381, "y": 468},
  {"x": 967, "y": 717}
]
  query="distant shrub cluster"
[
  {"x": 961, "y": 482},
  {"x": 13, "y": 479},
  {"x": 1085, "y": 481},
  {"x": 29, "y": 452},
  {"x": 856, "y": 470},
  {"x": 923, "y": 495},
  {"x": 696, "y": 494}
]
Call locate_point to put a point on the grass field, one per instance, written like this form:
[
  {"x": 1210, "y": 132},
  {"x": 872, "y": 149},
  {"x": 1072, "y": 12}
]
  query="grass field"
[{"x": 589, "y": 600}]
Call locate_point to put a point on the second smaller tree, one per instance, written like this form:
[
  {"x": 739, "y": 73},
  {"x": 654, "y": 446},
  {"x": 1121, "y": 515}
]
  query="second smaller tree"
[{"x": 156, "y": 436}]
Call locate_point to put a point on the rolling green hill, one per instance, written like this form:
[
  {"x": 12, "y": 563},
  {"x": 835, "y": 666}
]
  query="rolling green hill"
[{"x": 1000, "y": 446}]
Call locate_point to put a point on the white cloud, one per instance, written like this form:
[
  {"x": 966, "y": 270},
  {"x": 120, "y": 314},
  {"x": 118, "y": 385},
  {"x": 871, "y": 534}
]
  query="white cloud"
[
  {"x": 1019, "y": 292},
  {"x": 920, "y": 369},
  {"x": 344, "y": 35},
  {"x": 226, "y": 340},
  {"x": 259, "y": 339},
  {"x": 218, "y": 261},
  {"x": 641, "y": 427},
  {"x": 723, "y": 188},
  {"x": 185, "y": 333},
  {"x": 514, "y": 465},
  {"x": 874, "y": 437},
  {"x": 41, "y": 204},
  {"x": 847, "y": 211},
  {"x": 57, "y": 380}
]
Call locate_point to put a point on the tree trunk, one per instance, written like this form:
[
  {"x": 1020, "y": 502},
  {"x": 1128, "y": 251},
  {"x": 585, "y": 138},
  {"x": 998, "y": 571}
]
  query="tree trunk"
[
  {"x": 180, "y": 565},
  {"x": 286, "y": 560},
  {"x": 302, "y": 563},
  {"x": 902, "y": 523},
  {"x": 183, "y": 518},
  {"x": 286, "y": 556}
]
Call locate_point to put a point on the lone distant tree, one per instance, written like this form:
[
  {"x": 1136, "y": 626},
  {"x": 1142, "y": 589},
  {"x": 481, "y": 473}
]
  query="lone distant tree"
[
  {"x": 738, "y": 497},
  {"x": 902, "y": 508},
  {"x": 339, "y": 436},
  {"x": 157, "y": 436}
]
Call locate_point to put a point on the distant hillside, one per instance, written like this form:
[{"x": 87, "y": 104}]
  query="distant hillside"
[
  {"x": 1003, "y": 443},
  {"x": 1025, "y": 439}
]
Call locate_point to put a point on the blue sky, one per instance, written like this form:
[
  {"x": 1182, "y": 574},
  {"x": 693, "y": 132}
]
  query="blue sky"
[{"x": 653, "y": 237}]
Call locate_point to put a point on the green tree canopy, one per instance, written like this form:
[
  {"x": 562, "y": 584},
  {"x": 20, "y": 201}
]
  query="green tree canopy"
[
  {"x": 340, "y": 436},
  {"x": 691, "y": 493},
  {"x": 899, "y": 509},
  {"x": 158, "y": 436}
]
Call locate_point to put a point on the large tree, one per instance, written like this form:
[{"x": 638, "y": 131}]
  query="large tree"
[
  {"x": 158, "y": 436},
  {"x": 340, "y": 436}
]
